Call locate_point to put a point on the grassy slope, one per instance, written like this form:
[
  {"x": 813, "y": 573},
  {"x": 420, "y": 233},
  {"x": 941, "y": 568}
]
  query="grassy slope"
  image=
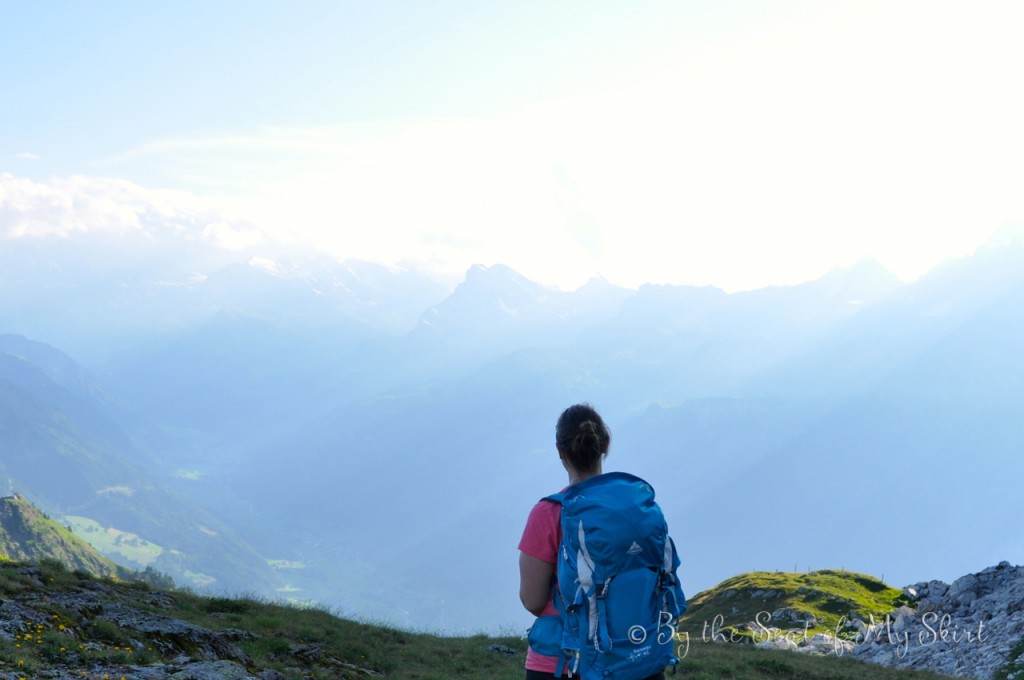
[
  {"x": 316, "y": 644},
  {"x": 28, "y": 534},
  {"x": 828, "y": 595},
  {"x": 309, "y": 643}
]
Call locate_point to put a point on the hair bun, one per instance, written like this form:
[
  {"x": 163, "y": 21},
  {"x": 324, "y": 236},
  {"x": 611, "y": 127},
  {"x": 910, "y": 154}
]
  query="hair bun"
[
  {"x": 582, "y": 437},
  {"x": 586, "y": 443}
]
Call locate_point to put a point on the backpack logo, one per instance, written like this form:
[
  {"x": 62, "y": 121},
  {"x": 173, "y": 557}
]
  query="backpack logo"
[{"x": 634, "y": 549}]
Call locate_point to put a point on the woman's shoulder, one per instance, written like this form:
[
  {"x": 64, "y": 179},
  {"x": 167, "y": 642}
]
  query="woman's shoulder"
[
  {"x": 543, "y": 531},
  {"x": 545, "y": 511}
]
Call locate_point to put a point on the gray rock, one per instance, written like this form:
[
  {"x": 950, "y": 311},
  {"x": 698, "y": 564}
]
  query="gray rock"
[
  {"x": 786, "y": 616},
  {"x": 903, "y": 618},
  {"x": 783, "y": 643},
  {"x": 310, "y": 653},
  {"x": 213, "y": 670},
  {"x": 966, "y": 629},
  {"x": 193, "y": 639},
  {"x": 825, "y": 644},
  {"x": 964, "y": 589},
  {"x": 271, "y": 674}
]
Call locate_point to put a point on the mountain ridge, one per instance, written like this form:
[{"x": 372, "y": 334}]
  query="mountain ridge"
[
  {"x": 62, "y": 452},
  {"x": 26, "y": 534}
]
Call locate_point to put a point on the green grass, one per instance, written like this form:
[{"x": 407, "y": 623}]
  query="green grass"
[
  {"x": 829, "y": 595},
  {"x": 418, "y": 656},
  {"x": 708, "y": 661},
  {"x": 404, "y": 655},
  {"x": 313, "y": 643},
  {"x": 283, "y": 632}
]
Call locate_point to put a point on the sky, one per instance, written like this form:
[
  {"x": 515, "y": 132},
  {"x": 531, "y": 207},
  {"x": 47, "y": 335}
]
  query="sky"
[{"x": 738, "y": 144}]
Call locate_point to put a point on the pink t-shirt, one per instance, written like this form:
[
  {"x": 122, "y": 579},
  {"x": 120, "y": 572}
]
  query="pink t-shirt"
[{"x": 540, "y": 539}]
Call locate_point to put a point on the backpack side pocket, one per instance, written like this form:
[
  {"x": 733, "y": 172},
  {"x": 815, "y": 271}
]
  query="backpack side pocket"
[{"x": 545, "y": 636}]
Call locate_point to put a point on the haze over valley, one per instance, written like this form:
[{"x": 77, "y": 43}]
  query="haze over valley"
[{"x": 372, "y": 439}]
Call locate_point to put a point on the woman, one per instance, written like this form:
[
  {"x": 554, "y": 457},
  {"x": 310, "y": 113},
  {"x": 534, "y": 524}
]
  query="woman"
[{"x": 582, "y": 440}]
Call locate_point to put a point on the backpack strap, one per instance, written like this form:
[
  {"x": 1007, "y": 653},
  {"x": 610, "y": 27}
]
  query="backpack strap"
[
  {"x": 557, "y": 499},
  {"x": 556, "y": 596}
]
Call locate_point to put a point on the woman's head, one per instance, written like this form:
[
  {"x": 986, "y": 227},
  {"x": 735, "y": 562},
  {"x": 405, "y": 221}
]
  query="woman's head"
[{"x": 582, "y": 438}]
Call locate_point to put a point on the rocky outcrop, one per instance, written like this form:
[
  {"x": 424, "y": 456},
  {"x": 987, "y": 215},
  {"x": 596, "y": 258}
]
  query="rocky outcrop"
[
  {"x": 819, "y": 643},
  {"x": 185, "y": 650},
  {"x": 71, "y": 626},
  {"x": 968, "y": 628}
]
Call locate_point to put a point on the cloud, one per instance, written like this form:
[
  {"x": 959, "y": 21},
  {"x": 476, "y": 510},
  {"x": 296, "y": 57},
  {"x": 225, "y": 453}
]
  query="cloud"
[
  {"x": 88, "y": 228},
  {"x": 443, "y": 194},
  {"x": 28, "y": 156},
  {"x": 767, "y": 151},
  {"x": 79, "y": 206},
  {"x": 65, "y": 206},
  {"x": 233, "y": 236}
]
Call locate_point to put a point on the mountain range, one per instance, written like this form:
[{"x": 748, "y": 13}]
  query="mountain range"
[{"x": 373, "y": 439}]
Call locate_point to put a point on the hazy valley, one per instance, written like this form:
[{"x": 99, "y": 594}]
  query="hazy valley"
[{"x": 371, "y": 439}]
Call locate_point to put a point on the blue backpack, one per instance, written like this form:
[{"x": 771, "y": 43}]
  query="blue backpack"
[{"x": 617, "y": 594}]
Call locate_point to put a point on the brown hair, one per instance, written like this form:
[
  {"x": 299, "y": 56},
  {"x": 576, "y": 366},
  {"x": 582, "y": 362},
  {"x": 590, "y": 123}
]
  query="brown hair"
[{"x": 582, "y": 438}]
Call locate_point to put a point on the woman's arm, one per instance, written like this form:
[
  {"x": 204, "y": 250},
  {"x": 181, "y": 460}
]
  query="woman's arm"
[{"x": 535, "y": 577}]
